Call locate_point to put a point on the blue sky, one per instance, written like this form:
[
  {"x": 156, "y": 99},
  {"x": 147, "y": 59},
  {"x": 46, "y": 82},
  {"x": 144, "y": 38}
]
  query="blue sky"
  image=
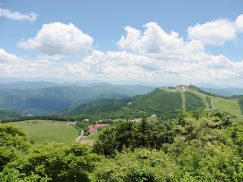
[{"x": 102, "y": 53}]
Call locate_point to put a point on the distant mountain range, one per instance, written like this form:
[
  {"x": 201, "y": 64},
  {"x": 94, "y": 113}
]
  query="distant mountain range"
[
  {"x": 229, "y": 91},
  {"x": 22, "y": 85},
  {"x": 47, "y": 98},
  {"x": 44, "y": 98},
  {"x": 8, "y": 114},
  {"x": 164, "y": 102}
]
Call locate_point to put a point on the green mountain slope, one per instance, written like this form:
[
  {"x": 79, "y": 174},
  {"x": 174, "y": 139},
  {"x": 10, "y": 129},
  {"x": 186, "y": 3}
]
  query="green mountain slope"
[
  {"x": 159, "y": 102},
  {"x": 241, "y": 103},
  {"x": 99, "y": 106},
  {"x": 193, "y": 101},
  {"x": 164, "y": 102},
  {"x": 49, "y": 100}
]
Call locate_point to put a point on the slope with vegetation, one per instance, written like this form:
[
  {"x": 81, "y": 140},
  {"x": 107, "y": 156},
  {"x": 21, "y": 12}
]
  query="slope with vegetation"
[
  {"x": 164, "y": 102},
  {"x": 203, "y": 148},
  {"x": 159, "y": 102},
  {"x": 51, "y": 99},
  {"x": 241, "y": 103},
  {"x": 193, "y": 101},
  {"x": 100, "y": 106},
  {"x": 188, "y": 149}
]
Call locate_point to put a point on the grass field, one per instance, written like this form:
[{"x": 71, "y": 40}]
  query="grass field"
[
  {"x": 41, "y": 131},
  {"x": 227, "y": 105}
]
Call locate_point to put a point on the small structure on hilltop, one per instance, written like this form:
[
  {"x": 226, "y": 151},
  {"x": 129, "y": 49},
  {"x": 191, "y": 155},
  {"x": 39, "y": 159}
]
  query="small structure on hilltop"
[{"x": 95, "y": 128}]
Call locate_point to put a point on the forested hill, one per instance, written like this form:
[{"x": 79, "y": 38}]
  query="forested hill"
[
  {"x": 164, "y": 102},
  {"x": 51, "y": 99}
]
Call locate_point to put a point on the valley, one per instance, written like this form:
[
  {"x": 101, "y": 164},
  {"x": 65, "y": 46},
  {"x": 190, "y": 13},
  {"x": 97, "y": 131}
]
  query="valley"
[
  {"x": 121, "y": 91},
  {"x": 164, "y": 132},
  {"x": 47, "y": 100}
]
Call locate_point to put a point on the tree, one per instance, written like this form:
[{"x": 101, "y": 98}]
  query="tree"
[
  {"x": 12, "y": 142},
  {"x": 55, "y": 162},
  {"x": 132, "y": 135}
]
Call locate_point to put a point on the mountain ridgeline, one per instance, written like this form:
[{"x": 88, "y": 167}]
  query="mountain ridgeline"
[
  {"x": 109, "y": 101},
  {"x": 163, "y": 102},
  {"x": 47, "y": 99}
]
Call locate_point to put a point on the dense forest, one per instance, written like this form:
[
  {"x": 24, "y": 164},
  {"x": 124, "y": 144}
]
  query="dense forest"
[{"x": 204, "y": 146}]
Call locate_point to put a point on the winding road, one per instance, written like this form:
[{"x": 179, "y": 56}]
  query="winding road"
[{"x": 80, "y": 136}]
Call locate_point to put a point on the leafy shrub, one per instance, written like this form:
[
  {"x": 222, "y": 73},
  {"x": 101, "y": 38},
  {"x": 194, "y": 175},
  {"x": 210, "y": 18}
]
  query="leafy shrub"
[
  {"x": 55, "y": 162},
  {"x": 132, "y": 135},
  {"x": 12, "y": 142}
]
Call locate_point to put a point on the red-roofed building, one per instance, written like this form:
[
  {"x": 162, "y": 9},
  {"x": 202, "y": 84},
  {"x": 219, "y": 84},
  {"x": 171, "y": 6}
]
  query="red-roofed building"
[
  {"x": 98, "y": 126},
  {"x": 94, "y": 129}
]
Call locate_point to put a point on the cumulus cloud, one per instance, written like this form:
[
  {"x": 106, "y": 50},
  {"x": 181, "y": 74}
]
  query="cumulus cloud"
[
  {"x": 213, "y": 33},
  {"x": 59, "y": 38},
  {"x": 149, "y": 55},
  {"x": 15, "y": 15},
  {"x": 7, "y": 57},
  {"x": 239, "y": 23},
  {"x": 39, "y": 67},
  {"x": 155, "y": 41},
  {"x": 216, "y": 32},
  {"x": 157, "y": 56}
]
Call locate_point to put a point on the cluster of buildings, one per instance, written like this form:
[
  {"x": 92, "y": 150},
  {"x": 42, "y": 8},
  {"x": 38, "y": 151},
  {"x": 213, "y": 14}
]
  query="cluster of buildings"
[{"x": 95, "y": 128}]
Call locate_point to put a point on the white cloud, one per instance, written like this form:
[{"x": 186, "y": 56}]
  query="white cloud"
[
  {"x": 150, "y": 56},
  {"x": 216, "y": 32},
  {"x": 213, "y": 33},
  {"x": 158, "y": 56},
  {"x": 15, "y": 15},
  {"x": 154, "y": 41},
  {"x": 7, "y": 57},
  {"x": 239, "y": 23},
  {"x": 59, "y": 38}
]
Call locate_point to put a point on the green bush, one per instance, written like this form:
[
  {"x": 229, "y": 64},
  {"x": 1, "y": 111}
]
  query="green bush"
[
  {"x": 132, "y": 135},
  {"x": 55, "y": 162}
]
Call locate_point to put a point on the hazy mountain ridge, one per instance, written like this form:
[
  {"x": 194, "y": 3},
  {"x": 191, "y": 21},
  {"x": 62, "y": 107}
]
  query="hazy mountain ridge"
[
  {"x": 49, "y": 100},
  {"x": 229, "y": 91},
  {"x": 164, "y": 102},
  {"x": 4, "y": 114}
]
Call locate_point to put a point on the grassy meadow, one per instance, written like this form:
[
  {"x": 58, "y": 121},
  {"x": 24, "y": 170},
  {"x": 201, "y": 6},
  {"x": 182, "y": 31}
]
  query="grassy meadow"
[
  {"x": 227, "y": 105},
  {"x": 41, "y": 131}
]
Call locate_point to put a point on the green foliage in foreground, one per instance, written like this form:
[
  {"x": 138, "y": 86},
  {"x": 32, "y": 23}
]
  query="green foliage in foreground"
[
  {"x": 12, "y": 142},
  {"x": 52, "y": 162},
  {"x": 206, "y": 148},
  {"x": 133, "y": 135},
  {"x": 139, "y": 165}
]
